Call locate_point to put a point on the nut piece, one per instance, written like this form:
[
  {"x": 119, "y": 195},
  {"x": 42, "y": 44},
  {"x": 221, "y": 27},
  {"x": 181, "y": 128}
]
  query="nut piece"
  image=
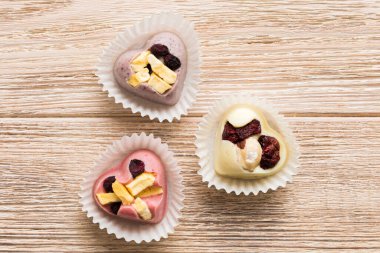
[
  {"x": 142, "y": 209},
  {"x": 250, "y": 156},
  {"x": 141, "y": 182},
  {"x": 158, "y": 84},
  {"x": 106, "y": 198},
  {"x": 122, "y": 193},
  {"x": 150, "y": 191}
]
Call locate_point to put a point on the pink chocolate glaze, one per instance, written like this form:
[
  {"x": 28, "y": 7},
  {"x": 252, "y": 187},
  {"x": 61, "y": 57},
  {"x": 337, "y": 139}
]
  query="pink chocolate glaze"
[
  {"x": 157, "y": 204},
  {"x": 122, "y": 69}
]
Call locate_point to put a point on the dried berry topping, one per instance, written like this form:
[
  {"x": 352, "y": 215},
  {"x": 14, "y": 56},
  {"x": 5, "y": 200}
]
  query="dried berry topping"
[
  {"x": 239, "y": 134},
  {"x": 229, "y": 133},
  {"x": 172, "y": 62},
  {"x": 248, "y": 130},
  {"x": 271, "y": 151},
  {"x": 115, "y": 207},
  {"x": 107, "y": 184},
  {"x": 266, "y": 141},
  {"x": 149, "y": 68},
  {"x": 159, "y": 50},
  {"x": 136, "y": 167}
]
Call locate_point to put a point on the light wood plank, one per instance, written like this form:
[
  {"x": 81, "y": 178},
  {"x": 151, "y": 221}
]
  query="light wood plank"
[
  {"x": 332, "y": 203},
  {"x": 307, "y": 58},
  {"x": 314, "y": 61}
]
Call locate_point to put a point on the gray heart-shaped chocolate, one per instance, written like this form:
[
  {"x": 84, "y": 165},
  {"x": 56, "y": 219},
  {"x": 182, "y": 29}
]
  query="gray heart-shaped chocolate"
[{"x": 124, "y": 71}]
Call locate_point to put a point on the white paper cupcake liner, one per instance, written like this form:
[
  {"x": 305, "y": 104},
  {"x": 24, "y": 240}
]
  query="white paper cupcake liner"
[
  {"x": 134, "y": 38},
  {"x": 205, "y": 139},
  {"x": 132, "y": 231}
]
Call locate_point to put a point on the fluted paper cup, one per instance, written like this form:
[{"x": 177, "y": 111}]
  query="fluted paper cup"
[
  {"x": 134, "y": 38},
  {"x": 205, "y": 139},
  {"x": 122, "y": 228}
]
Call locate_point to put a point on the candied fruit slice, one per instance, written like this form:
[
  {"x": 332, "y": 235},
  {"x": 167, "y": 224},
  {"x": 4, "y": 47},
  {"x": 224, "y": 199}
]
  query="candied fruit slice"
[
  {"x": 136, "y": 167},
  {"x": 271, "y": 151},
  {"x": 159, "y": 50},
  {"x": 107, "y": 184},
  {"x": 172, "y": 62}
]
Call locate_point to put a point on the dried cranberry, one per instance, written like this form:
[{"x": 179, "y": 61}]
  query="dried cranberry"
[
  {"x": 172, "y": 62},
  {"x": 107, "y": 184},
  {"x": 136, "y": 167},
  {"x": 265, "y": 141},
  {"x": 229, "y": 133},
  {"x": 269, "y": 161},
  {"x": 248, "y": 130},
  {"x": 150, "y": 69},
  {"x": 271, "y": 151},
  {"x": 115, "y": 207},
  {"x": 159, "y": 50},
  {"x": 238, "y": 135}
]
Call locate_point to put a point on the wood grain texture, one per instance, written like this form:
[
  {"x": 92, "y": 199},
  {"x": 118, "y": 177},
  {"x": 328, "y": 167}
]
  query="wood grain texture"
[
  {"x": 329, "y": 204},
  {"x": 318, "y": 62},
  {"x": 294, "y": 53}
]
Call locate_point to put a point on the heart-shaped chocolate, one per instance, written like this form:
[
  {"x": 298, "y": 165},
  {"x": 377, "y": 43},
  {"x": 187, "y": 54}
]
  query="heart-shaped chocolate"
[
  {"x": 136, "y": 189},
  {"x": 246, "y": 147},
  {"x": 155, "y": 72}
]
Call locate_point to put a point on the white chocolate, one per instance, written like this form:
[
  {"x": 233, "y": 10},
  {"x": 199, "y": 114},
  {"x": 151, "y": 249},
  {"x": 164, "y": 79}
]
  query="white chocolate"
[
  {"x": 241, "y": 116},
  {"x": 231, "y": 161}
]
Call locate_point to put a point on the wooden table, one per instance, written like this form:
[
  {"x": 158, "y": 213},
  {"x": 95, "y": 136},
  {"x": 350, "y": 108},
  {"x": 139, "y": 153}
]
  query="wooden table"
[{"x": 317, "y": 61}]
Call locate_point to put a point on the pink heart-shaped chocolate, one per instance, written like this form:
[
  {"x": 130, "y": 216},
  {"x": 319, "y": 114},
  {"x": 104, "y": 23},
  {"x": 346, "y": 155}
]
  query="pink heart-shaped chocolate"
[
  {"x": 133, "y": 166},
  {"x": 123, "y": 70}
]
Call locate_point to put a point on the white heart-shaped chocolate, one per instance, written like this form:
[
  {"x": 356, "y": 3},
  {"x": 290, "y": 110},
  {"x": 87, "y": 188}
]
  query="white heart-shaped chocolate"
[
  {"x": 246, "y": 147},
  {"x": 123, "y": 70}
]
